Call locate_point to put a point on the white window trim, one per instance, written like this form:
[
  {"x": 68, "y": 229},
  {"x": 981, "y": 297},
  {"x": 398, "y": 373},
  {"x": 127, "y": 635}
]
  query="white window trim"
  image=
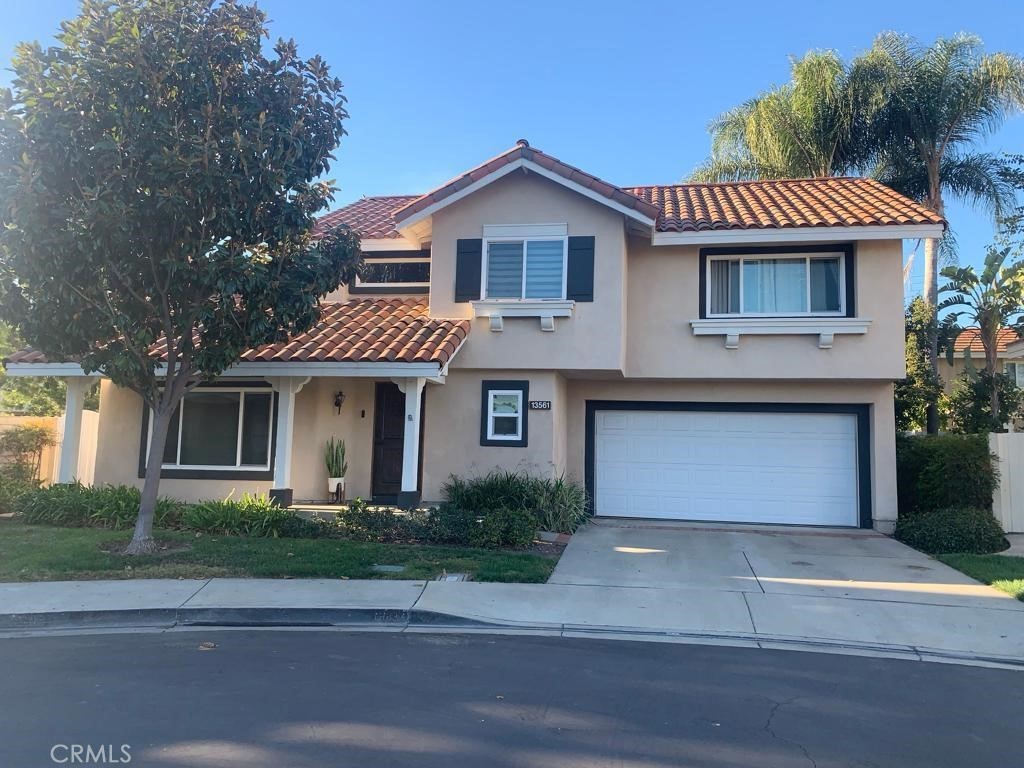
[
  {"x": 238, "y": 466},
  {"x": 491, "y": 415},
  {"x": 402, "y": 260},
  {"x": 807, "y": 257},
  {"x": 522, "y": 289},
  {"x": 826, "y": 329}
]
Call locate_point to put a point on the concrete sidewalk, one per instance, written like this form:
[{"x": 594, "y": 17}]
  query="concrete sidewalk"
[{"x": 914, "y": 630}]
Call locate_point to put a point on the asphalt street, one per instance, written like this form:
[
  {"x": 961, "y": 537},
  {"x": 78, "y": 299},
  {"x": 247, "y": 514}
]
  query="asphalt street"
[{"x": 309, "y": 699}]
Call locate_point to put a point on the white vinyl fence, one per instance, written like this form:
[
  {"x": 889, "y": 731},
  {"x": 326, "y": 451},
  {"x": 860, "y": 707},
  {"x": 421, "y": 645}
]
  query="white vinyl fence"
[{"x": 1008, "y": 500}]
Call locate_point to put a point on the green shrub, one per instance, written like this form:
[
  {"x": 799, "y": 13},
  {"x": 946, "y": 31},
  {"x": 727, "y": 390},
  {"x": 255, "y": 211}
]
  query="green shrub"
[
  {"x": 12, "y": 485},
  {"x": 943, "y": 531},
  {"x": 558, "y": 504},
  {"x": 449, "y": 524},
  {"x": 504, "y": 528},
  {"x": 79, "y": 506},
  {"x": 365, "y": 523},
  {"x": 249, "y": 515},
  {"x": 944, "y": 471},
  {"x": 21, "y": 449}
]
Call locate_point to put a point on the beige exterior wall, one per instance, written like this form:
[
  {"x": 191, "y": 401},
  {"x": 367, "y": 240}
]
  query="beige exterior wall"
[
  {"x": 876, "y": 394},
  {"x": 950, "y": 372},
  {"x": 664, "y": 296},
  {"x": 452, "y": 430},
  {"x": 592, "y": 339},
  {"x": 316, "y": 420}
]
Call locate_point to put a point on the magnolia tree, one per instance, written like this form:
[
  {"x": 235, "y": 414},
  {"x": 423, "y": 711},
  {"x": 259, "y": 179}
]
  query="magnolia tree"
[{"x": 157, "y": 195}]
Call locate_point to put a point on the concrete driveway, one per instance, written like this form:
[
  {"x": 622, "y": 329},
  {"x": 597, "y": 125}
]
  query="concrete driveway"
[{"x": 766, "y": 560}]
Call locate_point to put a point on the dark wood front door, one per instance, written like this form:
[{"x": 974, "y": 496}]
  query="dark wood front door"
[{"x": 388, "y": 439}]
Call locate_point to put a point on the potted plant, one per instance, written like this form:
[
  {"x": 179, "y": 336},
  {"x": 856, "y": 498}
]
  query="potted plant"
[{"x": 334, "y": 457}]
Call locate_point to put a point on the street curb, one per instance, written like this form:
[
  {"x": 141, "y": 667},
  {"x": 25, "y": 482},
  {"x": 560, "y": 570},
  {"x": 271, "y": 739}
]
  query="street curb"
[{"x": 415, "y": 619}]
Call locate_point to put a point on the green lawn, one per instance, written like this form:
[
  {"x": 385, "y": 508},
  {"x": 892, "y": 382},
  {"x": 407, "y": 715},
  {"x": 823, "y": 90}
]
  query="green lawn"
[
  {"x": 1003, "y": 572},
  {"x": 43, "y": 553}
]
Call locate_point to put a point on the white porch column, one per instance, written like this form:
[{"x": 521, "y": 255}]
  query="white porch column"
[
  {"x": 287, "y": 387},
  {"x": 413, "y": 390},
  {"x": 71, "y": 428}
]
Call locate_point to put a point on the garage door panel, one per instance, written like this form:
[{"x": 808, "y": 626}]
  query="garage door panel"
[{"x": 798, "y": 468}]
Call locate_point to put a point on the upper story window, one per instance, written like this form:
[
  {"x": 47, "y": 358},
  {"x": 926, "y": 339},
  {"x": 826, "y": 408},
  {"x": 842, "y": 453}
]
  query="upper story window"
[
  {"x": 221, "y": 428},
  {"x": 525, "y": 268},
  {"x": 761, "y": 285},
  {"x": 393, "y": 272}
]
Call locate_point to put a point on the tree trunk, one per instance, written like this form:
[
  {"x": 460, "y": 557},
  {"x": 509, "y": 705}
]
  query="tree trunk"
[
  {"x": 931, "y": 293},
  {"x": 142, "y": 540},
  {"x": 990, "y": 339}
]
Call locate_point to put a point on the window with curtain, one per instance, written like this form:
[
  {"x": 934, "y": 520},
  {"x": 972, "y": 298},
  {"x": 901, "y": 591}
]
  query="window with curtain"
[
  {"x": 783, "y": 285},
  {"x": 221, "y": 428},
  {"x": 525, "y": 269}
]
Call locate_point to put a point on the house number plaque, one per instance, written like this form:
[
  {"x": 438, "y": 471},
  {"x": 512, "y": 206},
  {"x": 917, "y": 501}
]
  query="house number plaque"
[{"x": 540, "y": 405}]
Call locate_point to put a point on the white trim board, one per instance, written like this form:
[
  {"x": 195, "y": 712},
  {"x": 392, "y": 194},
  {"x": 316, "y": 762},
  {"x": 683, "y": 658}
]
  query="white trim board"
[
  {"x": 259, "y": 369},
  {"x": 408, "y": 224},
  {"x": 798, "y": 235},
  {"x": 388, "y": 244}
]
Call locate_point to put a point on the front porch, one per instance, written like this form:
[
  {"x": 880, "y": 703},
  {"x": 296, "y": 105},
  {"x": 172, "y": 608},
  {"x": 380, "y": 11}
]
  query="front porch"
[{"x": 361, "y": 375}]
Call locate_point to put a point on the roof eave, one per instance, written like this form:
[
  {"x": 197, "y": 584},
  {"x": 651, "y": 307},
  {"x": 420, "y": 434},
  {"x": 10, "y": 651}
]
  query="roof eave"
[
  {"x": 244, "y": 369},
  {"x": 800, "y": 234}
]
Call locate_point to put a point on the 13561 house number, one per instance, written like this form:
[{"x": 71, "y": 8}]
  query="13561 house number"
[{"x": 540, "y": 405}]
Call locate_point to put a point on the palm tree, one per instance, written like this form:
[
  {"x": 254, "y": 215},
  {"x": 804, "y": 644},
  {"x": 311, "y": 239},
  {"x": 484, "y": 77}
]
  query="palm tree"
[
  {"x": 991, "y": 301},
  {"x": 818, "y": 124},
  {"x": 939, "y": 101}
]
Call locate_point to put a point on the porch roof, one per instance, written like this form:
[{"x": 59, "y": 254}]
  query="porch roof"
[{"x": 360, "y": 337}]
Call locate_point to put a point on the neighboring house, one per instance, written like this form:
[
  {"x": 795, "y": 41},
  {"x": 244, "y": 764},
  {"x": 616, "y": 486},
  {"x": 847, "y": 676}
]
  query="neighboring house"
[
  {"x": 1009, "y": 349},
  {"x": 694, "y": 351}
]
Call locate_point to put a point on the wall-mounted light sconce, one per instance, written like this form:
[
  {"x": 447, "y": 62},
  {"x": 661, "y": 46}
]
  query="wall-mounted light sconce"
[{"x": 339, "y": 399}]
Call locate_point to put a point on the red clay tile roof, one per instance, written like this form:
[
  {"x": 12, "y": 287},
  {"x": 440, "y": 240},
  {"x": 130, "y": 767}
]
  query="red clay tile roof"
[
  {"x": 371, "y": 217},
  {"x": 365, "y": 331},
  {"x": 824, "y": 202},
  {"x": 523, "y": 151},
  {"x": 969, "y": 338},
  {"x": 781, "y": 204}
]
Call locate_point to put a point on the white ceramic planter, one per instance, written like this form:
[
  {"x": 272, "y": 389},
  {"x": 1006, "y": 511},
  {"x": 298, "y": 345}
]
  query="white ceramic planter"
[{"x": 335, "y": 484}]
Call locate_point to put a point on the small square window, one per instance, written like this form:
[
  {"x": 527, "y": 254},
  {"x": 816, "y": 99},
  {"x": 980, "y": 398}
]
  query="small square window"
[
  {"x": 503, "y": 413},
  {"x": 525, "y": 269}
]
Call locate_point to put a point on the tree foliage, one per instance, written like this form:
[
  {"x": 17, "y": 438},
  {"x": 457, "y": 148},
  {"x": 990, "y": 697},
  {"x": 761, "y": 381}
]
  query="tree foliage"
[
  {"x": 922, "y": 385},
  {"x": 158, "y": 188},
  {"x": 969, "y": 407}
]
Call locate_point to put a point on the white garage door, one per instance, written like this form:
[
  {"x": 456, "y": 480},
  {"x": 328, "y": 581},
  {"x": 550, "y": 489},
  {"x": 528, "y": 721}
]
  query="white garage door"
[{"x": 798, "y": 468}]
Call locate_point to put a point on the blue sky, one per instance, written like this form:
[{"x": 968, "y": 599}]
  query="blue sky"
[{"x": 623, "y": 90}]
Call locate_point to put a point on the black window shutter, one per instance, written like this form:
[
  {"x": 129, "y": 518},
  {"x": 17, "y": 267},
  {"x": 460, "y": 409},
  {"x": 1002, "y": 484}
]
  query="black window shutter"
[
  {"x": 579, "y": 282},
  {"x": 468, "y": 262}
]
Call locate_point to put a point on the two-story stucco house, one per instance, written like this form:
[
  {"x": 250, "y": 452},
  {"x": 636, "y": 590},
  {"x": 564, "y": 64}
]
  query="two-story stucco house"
[{"x": 694, "y": 351}]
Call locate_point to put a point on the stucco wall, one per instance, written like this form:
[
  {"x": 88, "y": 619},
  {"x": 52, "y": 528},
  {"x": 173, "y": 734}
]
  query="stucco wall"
[
  {"x": 876, "y": 394},
  {"x": 452, "y": 430},
  {"x": 592, "y": 338},
  {"x": 664, "y": 296},
  {"x": 120, "y": 425}
]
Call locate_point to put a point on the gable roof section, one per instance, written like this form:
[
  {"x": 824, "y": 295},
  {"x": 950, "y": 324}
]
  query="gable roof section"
[
  {"x": 523, "y": 155},
  {"x": 743, "y": 211},
  {"x": 362, "y": 331},
  {"x": 782, "y": 204}
]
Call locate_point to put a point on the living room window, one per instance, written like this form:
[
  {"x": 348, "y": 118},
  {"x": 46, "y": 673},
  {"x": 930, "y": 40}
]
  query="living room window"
[
  {"x": 221, "y": 428},
  {"x": 777, "y": 285},
  {"x": 525, "y": 268},
  {"x": 503, "y": 413}
]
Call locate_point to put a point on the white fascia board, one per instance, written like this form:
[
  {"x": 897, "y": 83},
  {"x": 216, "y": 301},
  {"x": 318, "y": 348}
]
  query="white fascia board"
[
  {"x": 352, "y": 369},
  {"x": 46, "y": 369},
  {"x": 798, "y": 235},
  {"x": 388, "y": 244},
  {"x": 409, "y": 224}
]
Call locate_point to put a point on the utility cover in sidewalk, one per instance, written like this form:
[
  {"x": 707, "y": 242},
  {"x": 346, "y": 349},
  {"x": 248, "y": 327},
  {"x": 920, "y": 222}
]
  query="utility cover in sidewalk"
[
  {"x": 452, "y": 577},
  {"x": 388, "y": 568}
]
